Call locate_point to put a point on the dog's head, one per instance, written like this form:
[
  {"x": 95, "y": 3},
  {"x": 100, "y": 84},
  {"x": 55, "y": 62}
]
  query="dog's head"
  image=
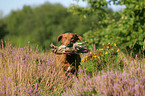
[{"x": 69, "y": 38}]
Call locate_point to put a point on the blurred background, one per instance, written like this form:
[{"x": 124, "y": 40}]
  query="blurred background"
[{"x": 98, "y": 21}]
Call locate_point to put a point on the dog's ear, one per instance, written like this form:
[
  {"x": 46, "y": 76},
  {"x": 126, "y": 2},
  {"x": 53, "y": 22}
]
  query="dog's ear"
[
  {"x": 59, "y": 37},
  {"x": 78, "y": 37}
]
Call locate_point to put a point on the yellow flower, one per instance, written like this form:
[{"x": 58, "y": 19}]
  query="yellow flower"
[
  {"x": 82, "y": 60},
  {"x": 112, "y": 49},
  {"x": 107, "y": 46},
  {"x": 117, "y": 50},
  {"x": 103, "y": 44},
  {"x": 100, "y": 49},
  {"x": 95, "y": 56},
  {"x": 106, "y": 52},
  {"x": 86, "y": 69},
  {"x": 114, "y": 44},
  {"x": 108, "y": 43},
  {"x": 90, "y": 52},
  {"x": 79, "y": 66}
]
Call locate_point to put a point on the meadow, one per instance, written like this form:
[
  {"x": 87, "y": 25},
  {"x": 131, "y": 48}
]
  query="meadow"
[
  {"x": 30, "y": 72},
  {"x": 110, "y": 69}
]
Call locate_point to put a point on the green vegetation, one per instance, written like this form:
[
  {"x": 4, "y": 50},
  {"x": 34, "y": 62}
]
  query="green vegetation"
[
  {"x": 3, "y": 30},
  {"x": 125, "y": 28},
  {"x": 105, "y": 58},
  {"x": 41, "y": 25}
]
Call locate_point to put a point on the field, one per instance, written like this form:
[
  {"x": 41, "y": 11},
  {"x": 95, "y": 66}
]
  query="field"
[{"x": 30, "y": 72}]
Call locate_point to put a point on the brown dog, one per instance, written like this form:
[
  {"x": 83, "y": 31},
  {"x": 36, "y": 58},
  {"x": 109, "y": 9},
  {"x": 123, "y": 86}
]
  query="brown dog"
[{"x": 68, "y": 63}]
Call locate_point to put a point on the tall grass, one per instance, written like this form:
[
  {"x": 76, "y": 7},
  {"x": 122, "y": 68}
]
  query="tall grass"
[{"x": 26, "y": 71}]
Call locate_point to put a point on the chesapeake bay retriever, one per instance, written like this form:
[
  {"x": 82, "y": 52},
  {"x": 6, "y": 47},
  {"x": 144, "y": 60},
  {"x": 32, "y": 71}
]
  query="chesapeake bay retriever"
[{"x": 68, "y": 63}]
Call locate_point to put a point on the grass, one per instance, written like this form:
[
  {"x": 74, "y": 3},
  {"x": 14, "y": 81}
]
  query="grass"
[{"x": 26, "y": 71}]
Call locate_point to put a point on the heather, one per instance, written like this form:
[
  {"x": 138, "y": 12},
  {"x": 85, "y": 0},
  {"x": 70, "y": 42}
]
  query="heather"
[
  {"x": 29, "y": 71},
  {"x": 130, "y": 82},
  {"x": 25, "y": 71}
]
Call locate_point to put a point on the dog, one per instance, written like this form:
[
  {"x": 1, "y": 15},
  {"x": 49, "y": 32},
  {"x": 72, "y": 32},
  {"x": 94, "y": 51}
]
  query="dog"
[{"x": 68, "y": 63}]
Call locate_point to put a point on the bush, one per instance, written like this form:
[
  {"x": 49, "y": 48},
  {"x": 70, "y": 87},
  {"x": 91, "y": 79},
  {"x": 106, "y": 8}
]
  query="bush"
[
  {"x": 128, "y": 32},
  {"x": 125, "y": 28},
  {"x": 101, "y": 59}
]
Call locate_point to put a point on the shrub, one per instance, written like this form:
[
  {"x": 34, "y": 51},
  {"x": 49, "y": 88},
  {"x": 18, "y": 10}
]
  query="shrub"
[
  {"x": 125, "y": 28},
  {"x": 103, "y": 58}
]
